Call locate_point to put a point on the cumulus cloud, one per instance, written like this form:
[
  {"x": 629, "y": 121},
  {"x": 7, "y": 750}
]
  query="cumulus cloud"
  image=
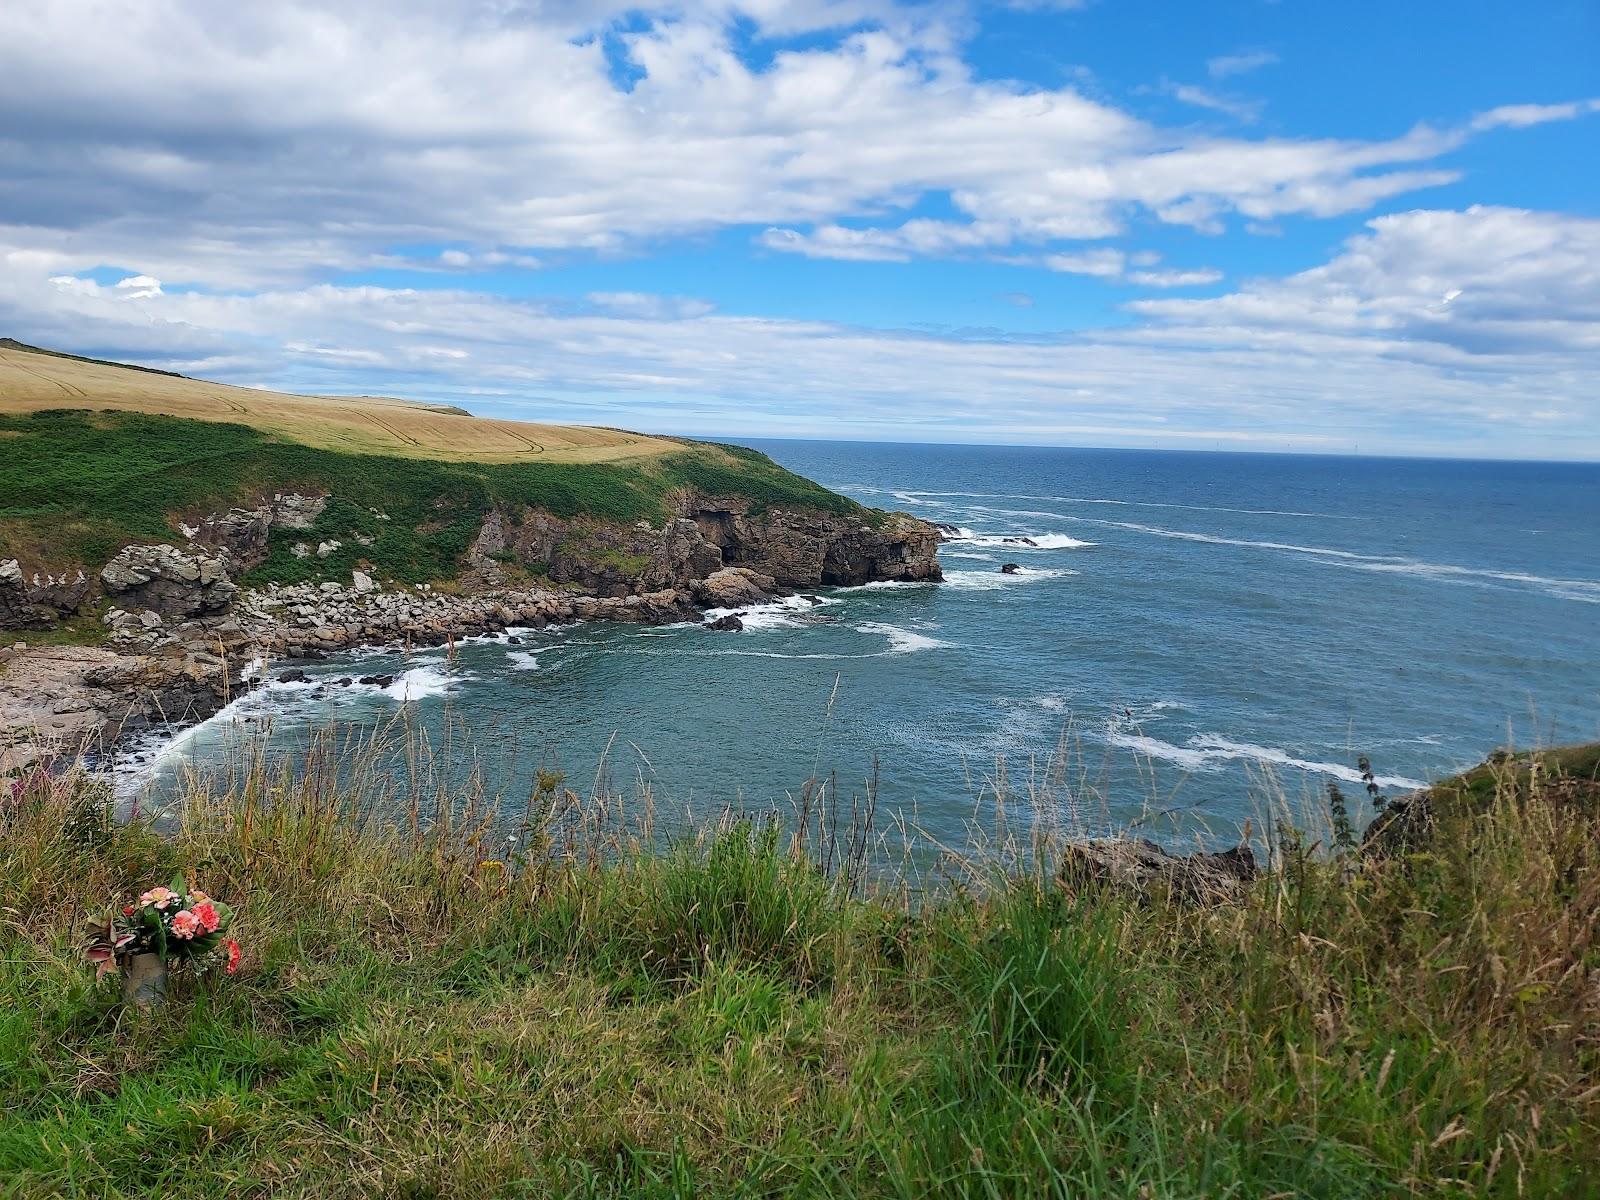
[
  {"x": 275, "y": 143},
  {"x": 1468, "y": 332}
]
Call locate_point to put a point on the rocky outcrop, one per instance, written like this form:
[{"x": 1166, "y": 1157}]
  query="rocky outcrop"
[
  {"x": 794, "y": 548},
  {"x": 1143, "y": 869},
  {"x": 168, "y": 581},
  {"x": 291, "y": 510},
  {"x": 240, "y": 533},
  {"x": 38, "y": 601}
]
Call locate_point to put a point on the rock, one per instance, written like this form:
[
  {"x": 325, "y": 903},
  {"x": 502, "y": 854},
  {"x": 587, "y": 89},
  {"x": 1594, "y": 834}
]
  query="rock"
[
  {"x": 1144, "y": 869},
  {"x": 293, "y": 676},
  {"x": 728, "y": 624},
  {"x": 380, "y": 681},
  {"x": 326, "y": 548},
  {"x": 169, "y": 581},
  {"x": 1010, "y": 569},
  {"x": 240, "y": 533},
  {"x": 733, "y": 586},
  {"x": 300, "y": 550},
  {"x": 1020, "y": 541},
  {"x": 812, "y": 600},
  {"x": 39, "y": 601},
  {"x": 362, "y": 582},
  {"x": 294, "y": 511}
]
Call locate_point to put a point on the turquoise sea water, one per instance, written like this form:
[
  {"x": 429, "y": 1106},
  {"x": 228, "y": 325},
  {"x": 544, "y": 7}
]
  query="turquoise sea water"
[{"x": 1188, "y": 624}]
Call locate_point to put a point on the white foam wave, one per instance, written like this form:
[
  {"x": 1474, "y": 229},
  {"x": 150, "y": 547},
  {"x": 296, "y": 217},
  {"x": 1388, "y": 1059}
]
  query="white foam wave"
[
  {"x": 927, "y": 497},
  {"x": 988, "y": 581},
  {"x": 1020, "y": 541},
  {"x": 788, "y": 612},
  {"x": 419, "y": 683},
  {"x": 1207, "y": 751},
  {"x": 902, "y": 641},
  {"x": 966, "y": 555},
  {"x": 523, "y": 660},
  {"x": 886, "y": 585},
  {"x": 1585, "y": 590}
]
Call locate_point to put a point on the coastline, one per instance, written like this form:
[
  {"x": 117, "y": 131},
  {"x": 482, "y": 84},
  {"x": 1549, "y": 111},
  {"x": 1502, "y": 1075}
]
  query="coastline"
[{"x": 64, "y": 702}]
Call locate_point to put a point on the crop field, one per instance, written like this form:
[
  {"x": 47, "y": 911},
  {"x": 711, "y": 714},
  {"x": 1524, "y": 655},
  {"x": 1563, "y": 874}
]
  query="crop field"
[{"x": 32, "y": 380}]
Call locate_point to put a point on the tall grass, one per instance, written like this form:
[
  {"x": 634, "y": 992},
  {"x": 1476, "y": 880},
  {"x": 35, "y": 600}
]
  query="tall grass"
[{"x": 751, "y": 1008}]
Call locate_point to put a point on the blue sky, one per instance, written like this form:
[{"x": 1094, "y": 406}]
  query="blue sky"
[{"x": 1242, "y": 225}]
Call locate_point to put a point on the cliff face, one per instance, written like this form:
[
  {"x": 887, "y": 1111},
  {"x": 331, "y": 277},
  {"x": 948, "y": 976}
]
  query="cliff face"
[{"x": 796, "y": 548}]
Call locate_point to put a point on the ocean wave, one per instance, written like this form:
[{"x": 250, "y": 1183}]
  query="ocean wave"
[
  {"x": 788, "y": 612},
  {"x": 419, "y": 683},
  {"x": 964, "y": 554},
  {"x": 1585, "y": 590},
  {"x": 1208, "y": 751},
  {"x": 902, "y": 641},
  {"x": 523, "y": 660},
  {"x": 988, "y": 581},
  {"x": 886, "y": 585},
  {"x": 1020, "y": 541},
  {"x": 908, "y": 496}
]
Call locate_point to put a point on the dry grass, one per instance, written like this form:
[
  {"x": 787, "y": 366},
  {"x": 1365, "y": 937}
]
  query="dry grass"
[{"x": 31, "y": 381}]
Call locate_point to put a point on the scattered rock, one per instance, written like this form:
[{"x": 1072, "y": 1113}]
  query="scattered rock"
[
  {"x": 380, "y": 681},
  {"x": 1020, "y": 541},
  {"x": 293, "y": 676},
  {"x": 39, "y": 601},
  {"x": 300, "y": 550},
  {"x": 326, "y": 548}
]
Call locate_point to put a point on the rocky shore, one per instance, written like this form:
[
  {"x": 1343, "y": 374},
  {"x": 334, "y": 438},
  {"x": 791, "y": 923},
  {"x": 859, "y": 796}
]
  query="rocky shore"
[{"x": 182, "y": 637}]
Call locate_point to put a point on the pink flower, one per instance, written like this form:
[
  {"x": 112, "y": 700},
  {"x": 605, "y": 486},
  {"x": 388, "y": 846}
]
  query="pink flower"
[
  {"x": 233, "y": 956},
  {"x": 158, "y": 897},
  {"x": 185, "y": 924},
  {"x": 209, "y": 917}
]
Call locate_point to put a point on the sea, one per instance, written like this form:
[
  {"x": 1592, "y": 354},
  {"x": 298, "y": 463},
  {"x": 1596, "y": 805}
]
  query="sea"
[{"x": 1188, "y": 644}]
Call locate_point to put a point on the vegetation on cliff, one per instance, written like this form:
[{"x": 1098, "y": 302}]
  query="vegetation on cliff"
[
  {"x": 76, "y": 485},
  {"x": 423, "y": 1011}
]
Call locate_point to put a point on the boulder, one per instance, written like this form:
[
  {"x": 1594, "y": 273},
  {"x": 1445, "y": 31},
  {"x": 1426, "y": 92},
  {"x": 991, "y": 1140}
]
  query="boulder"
[
  {"x": 1144, "y": 869},
  {"x": 240, "y": 533},
  {"x": 168, "y": 581},
  {"x": 1010, "y": 569},
  {"x": 362, "y": 582},
  {"x": 294, "y": 511},
  {"x": 727, "y": 624},
  {"x": 733, "y": 586},
  {"x": 39, "y": 601}
]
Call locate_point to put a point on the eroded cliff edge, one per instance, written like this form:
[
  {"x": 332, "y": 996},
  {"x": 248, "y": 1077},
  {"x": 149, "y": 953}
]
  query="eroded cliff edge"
[{"x": 178, "y": 626}]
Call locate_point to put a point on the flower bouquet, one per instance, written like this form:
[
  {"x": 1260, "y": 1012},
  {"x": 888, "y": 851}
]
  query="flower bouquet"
[{"x": 169, "y": 924}]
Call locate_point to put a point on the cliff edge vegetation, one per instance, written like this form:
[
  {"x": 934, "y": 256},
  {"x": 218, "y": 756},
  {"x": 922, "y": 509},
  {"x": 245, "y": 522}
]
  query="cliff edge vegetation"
[{"x": 422, "y": 1009}]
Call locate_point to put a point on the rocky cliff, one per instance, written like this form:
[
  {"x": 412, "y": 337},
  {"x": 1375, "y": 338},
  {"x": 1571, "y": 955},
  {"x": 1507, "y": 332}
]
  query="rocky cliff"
[{"x": 796, "y": 548}]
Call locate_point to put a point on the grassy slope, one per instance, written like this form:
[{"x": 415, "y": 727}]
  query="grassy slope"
[
  {"x": 728, "y": 1020},
  {"x": 33, "y": 379},
  {"x": 74, "y": 486}
]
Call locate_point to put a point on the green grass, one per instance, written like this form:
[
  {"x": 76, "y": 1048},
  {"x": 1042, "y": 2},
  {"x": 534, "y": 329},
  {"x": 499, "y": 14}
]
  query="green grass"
[
  {"x": 721, "y": 1016},
  {"x": 75, "y": 486}
]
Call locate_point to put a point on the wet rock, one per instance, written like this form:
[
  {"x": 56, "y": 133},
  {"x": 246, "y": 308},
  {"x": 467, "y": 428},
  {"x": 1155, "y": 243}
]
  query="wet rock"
[
  {"x": 1020, "y": 541},
  {"x": 1144, "y": 869},
  {"x": 293, "y": 676},
  {"x": 379, "y": 681},
  {"x": 947, "y": 532},
  {"x": 1010, "y": 569},
  {"x": 728, "y": 624}
]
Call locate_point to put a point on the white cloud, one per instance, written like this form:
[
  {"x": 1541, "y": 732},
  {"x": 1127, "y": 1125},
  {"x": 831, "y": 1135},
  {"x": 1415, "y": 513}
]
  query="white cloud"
[
  {"x": 1103, "y": 264},
  {"x": 1370, "y": 346},
  {"x": 1172, "y": 279},
  {"x": 279, "y": 142},
  {"x": 1198, "y": 97},
  {"x": 1224, "y": 65},
  {"x": 1522, "y": 116}
]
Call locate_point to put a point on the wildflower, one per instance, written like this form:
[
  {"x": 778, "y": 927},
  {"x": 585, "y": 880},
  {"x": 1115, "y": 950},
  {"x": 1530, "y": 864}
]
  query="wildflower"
[
  {"x": 127, "y": 910},
  {"x": 208, "y": 915},
  {"x": 185, "y": 924},
  {"x": 233, "y": 956}
]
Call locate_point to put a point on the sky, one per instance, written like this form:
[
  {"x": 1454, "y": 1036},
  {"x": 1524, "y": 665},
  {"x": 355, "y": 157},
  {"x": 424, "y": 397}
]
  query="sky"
[{"x": 1242, "y": 225}]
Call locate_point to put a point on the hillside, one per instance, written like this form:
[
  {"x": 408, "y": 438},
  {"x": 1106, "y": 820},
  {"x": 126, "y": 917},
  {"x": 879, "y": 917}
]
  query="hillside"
[
  {"x": 33, "y": 379},
  {"x": 102, "y": 455}
]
